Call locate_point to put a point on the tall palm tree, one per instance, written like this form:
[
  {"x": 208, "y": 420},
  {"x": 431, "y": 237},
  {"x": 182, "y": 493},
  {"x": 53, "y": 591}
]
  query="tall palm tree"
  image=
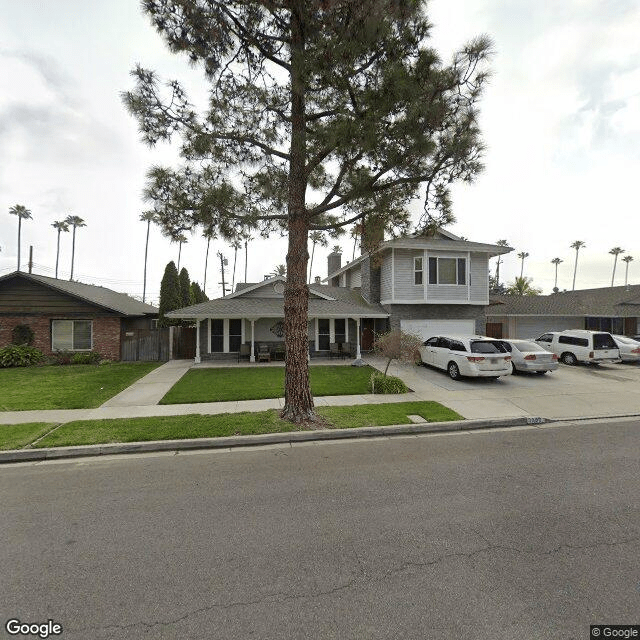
[
  {"x": 316, "y": 237},
  {"x": 74, "y": 221},
  {"x": 577, "y": 245},
  {"x": 23, "y": 214},
  {"x": 180, "y": 239},
  {"x": 236, "y": 244},
  {"x": 627, "y": 259},
  {"x": 209, "y": 234},
  {"x": 522, "y": 255},
  {"x": 556, "y": 261},
  {"x": 356, "y": 232},
  {"x": 60, "y": 225},
  {"x": 615, "y": 252},
  {"x": 500, "y": 243},
  {"x": 148, "y": 217}
]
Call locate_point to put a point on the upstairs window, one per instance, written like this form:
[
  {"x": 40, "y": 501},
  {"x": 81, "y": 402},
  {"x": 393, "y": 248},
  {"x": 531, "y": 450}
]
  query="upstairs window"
[
  {"x": 71, "y": 335},
  {"x": 447, "y": 271},
  {"x": 417, "y": 271}
]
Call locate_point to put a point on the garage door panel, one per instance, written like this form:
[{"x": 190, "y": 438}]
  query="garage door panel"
[{"x": 427, "y": 328}]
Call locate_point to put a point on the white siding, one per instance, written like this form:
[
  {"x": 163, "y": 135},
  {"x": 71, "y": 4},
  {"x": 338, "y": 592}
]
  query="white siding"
[
  {"x": 447, "y": 292},
  {"x": 479, "y": 278},
  {"x": 356, "y": 278},
  {"x": 403, "y": 275},
  {"x": 385, "y": 277}
]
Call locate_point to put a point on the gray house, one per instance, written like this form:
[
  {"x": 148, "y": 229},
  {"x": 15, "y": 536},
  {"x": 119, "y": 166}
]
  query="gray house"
[
  {"x": 613, "y": 309},
  {"x": 423, "y": 285}
]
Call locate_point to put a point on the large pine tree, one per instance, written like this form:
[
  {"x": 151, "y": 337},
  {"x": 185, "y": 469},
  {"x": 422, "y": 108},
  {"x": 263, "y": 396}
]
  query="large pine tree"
[
  {"x": 169, "y": 294},
  {"x": 321, "y": 113}
]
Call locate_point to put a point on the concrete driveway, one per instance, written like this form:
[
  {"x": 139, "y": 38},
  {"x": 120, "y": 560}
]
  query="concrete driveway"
[{"x": 581, "y": 391}]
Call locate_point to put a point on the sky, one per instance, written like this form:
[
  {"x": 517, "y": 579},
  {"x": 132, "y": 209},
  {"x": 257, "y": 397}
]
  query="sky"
[{"x": 560, "y": 119}]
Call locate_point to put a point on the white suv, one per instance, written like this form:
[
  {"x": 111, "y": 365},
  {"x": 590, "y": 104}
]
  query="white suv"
[
  {"x": 459, "y": 356},
  {"x": 577, "y": 345}
]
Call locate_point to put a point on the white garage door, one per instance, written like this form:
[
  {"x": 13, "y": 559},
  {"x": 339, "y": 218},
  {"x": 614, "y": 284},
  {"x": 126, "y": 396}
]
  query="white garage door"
[{"x": 427, "y": 328}]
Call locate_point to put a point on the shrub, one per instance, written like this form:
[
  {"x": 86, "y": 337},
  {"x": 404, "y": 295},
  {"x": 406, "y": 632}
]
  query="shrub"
[
  {"x": 62, "y": 357},
  {"x": 86, "y": 357},
  {"x": 398, "y": 345},
  {"x": 19, "y": 356},
  {"x": 22, "y": 334},
  {"x": 387, "y": 384}
]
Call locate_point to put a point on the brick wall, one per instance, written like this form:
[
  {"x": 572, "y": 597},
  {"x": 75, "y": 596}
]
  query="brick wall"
[{"x": 106, "y": 333}]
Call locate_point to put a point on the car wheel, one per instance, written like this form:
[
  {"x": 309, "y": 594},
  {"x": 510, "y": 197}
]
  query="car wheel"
[
  {"x": 569, "y": 358},
  {"x": 514, "y": 371},
  {"x": 454, "y": 372}
]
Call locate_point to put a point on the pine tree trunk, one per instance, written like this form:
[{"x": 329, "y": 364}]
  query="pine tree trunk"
[
  {"x": 298, "y": 405},
  {"x": 57, "y": 253}
]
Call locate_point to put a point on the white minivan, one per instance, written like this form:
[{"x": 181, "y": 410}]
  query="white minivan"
[{"x": 578, "y": 345}]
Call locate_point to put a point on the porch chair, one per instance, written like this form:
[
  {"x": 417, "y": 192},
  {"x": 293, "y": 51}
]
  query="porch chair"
[
  {"x": 334, "y": 350},
  {"x": 347, "y": 350},
  {"x": 245, "y": 352},
  {"x": 264, "y": 355}
]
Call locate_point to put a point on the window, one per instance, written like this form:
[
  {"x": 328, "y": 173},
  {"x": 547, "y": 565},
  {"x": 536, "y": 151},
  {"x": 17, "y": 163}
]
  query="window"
[
  {"x": 235, "y": 334},
  {"x": 339, "y": 330},
  {"x": 603, "y": 341},
  {"x": 323, "y": 334},
  {"x": 154, "y": 324},
  {"x": 71, "y": 335},
  {"x": 447, "y": 271},
  {"x": 546, "y": 337},
  {"x": 611, "y": 325},
  {"x": 576, "y": 342},
  {"x": 443, "y": 343},
  {"x": 217, "y": 335},
  {"x": 457, "y": 346},
  {"x": 417, "y": 271},
  {"x": 431, "y": 342},
  {"x": 487, "y": 347}
]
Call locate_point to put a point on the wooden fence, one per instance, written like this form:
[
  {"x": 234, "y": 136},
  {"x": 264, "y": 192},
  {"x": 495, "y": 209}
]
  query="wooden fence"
[{"x": 144, "y": 344}]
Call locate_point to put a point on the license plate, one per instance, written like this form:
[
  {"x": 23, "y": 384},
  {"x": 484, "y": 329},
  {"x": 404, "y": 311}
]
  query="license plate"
[{"x": 493, "y": 360}]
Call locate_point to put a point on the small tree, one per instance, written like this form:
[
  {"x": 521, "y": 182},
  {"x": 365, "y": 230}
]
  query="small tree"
[
  {"x": 397, "y": 345},
  {"x": 185, "y": 288},
  {"x": 169, "y": 294},
  {"x": 197, "y": 294},
  {"x": 523, "y": 287}
]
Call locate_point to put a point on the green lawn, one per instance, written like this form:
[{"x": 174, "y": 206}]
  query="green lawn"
[
  {"x": 16, "y": 436},
  {"x": 84, "y": 432},
  {"x": 68, "y": 386},
  {"x": 255, "y": 383}
]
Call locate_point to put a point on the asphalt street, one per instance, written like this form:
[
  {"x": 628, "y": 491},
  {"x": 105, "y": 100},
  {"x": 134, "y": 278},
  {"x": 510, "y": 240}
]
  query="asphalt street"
[{"x": 528, "y": 533}]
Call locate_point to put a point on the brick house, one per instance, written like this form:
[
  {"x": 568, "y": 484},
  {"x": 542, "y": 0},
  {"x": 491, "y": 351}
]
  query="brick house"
[{"x": 68, "y": 315}]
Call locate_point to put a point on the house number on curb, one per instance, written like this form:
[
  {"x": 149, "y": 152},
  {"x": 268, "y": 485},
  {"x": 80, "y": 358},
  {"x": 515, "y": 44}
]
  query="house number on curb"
[{"x": 535, "y": 420}]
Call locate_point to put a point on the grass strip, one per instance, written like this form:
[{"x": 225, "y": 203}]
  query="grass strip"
[
  {"x": 85, "y": 432},
  {"x": 17, "y": 436},
  {"x": 67, "y": 386},
  {"x": 255, "y": 383}
]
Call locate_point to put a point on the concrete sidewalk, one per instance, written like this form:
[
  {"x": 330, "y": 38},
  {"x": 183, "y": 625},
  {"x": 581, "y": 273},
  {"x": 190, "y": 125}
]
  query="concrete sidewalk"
[{"x": 150, "y": 389}]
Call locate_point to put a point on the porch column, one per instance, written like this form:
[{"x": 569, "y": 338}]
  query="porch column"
[
  {"x": 252, "y": 357},
  {"x": 358, "y": 356},
  {"x": 197, "y": 358}
]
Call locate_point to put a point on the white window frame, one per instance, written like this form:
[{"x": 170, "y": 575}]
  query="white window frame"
[
  {"x": 72, "y": 321},
  {"x": 451, "y": 284},
  {"x": 420, "y": 271}
]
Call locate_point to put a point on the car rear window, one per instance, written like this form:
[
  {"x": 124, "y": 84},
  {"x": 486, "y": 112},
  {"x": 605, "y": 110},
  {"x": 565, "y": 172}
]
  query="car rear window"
[
  {"x": 528, "y": 346},
  {"x": 484, "y": 346},
  {"x": 578, "y": 342},
  {"x": 604, "y": 341}
]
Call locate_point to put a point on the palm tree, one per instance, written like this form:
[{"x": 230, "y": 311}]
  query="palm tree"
[
  {"x": 316, "y": 237},
  {"x": 500, "y": 243},
  {"x": 148, "y": 217},
  {"x": 356, "y": 232},
  {"x": 627, "y": 259},
  {"x": 74, "y": 221},
  {"x": 60, "y": 225},
  {"x": 180, "y": 239},
  {"x": 23, "y": 214},
  {"x": 523, "y": 287},
  {"x": 577, "y": 245},
  {"x": 556, "y": 261},
  {"x": 522, "y": 255},
  {"x": 209, "y": 234},
  {"x": 280, "y": 270},
  {"x": 236, "y": 244},
  {"x": 615, "y": 252}
]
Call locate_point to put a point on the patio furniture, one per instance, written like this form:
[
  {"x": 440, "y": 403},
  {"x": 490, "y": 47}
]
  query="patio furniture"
[
  {"x": 245, "y": 352},
  {"x": 279, "y": 352},
  {"x": 264, "y": 355},
  {"x": 334, "y": 350},
  {"x": 347, "y": 350}
]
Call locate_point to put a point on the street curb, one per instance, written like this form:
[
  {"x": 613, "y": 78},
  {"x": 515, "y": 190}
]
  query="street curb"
[{"x": 57, "y": 453}]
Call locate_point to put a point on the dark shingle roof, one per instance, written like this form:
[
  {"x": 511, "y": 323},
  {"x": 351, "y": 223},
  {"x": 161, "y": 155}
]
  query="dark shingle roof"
[
  {"x": 101, "y": 296},
  {"x": 616, "y": 302},
  {"x": 346, "y": 302}
]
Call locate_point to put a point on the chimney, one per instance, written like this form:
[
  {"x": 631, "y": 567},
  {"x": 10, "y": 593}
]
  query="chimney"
[
  {"x": 317, "y": 280},
  {"x": 334, "y": 262}
]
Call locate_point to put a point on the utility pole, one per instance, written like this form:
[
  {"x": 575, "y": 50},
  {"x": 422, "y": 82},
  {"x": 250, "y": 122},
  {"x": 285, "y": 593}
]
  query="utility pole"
[
  {"x": 31, "y": 259},
  {"x": 223, "y": 262}
]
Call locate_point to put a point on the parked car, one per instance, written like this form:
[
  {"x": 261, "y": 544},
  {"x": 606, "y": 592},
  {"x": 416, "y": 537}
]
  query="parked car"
[
  {"x": 529, "y": 356},
  {"x": 579, "y": 345},
  {"x": 475, "y": 356},
  {"x": 629, "y": 348}
]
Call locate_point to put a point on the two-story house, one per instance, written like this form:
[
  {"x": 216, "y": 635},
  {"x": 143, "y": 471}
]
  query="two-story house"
[{"x": 423, "y": 285}]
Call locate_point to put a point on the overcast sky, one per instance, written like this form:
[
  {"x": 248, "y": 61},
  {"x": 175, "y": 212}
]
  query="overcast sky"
[{"x": 561, "y": 120}]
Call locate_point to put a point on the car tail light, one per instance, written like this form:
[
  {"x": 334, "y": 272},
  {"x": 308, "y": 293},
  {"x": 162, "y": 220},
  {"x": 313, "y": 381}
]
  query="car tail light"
[
  {"x": 507, "y": 358},
  {"x": 475, "y": 358},
  {"x": 531, "y": 356},
  {"x": 554, "y": 356},
  {"x": 635, "y": 350}
]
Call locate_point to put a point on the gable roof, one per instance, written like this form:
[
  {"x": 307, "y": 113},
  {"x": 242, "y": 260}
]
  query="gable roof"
[
  {"x": 443, "y": 241},
  {"x": 100, "y": 296},
  {"x": 248, "y": 286},
  {"x": 614, "y": 302},
  {"x": 329, "y": 302}
]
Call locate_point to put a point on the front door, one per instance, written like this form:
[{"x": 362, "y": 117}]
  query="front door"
[
  {"x": 367, "y": 334},
  {"x": 494, "y": 330}
]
